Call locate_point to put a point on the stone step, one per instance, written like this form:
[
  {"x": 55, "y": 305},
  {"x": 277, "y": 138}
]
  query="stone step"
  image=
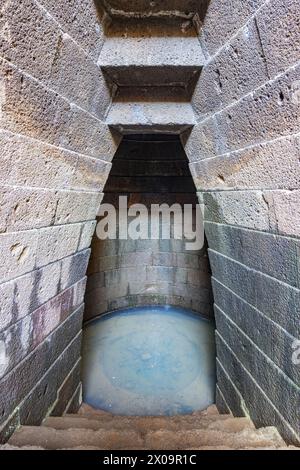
[
  {"x": 133, "y": 118},
  {"x": 143, "y": 8},
  {"x": 167, "y": 440},
  {"x": 144, "y": 425},
  {"x": 52, "y": 439},
  {"x": 152, "y": 61}
]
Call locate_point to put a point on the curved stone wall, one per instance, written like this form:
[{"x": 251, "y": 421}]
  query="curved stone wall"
[{"x": 128, "y": 273}]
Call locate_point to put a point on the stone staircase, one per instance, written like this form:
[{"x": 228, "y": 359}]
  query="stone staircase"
[{"x": 92, "y": 429}]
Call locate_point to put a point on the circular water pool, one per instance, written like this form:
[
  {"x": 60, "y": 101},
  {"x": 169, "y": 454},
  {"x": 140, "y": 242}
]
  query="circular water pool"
[{"x": 149, "y": 361}]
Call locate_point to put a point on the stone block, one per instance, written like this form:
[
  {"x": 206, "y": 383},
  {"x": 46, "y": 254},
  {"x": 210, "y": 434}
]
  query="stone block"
[
  {"x": 271, "y": 111},
  {"x": 278, "y": 25},
  {"x": 132, "y": 118},
  {"x": 87, "y": 232},
  {"x": 21, "y": 380},
  {"x": 24, "y": 208},
  {"x": 238, "y": 69},
  {"x": 43, "y": 396},
  {"x": 73, "y": 268},
  {"x": 27, "y": 162},
  {"x": 186, "y": 260},
  {"x": 256, "y": 167},
  {"x": 21, "y": 338},
  {"x": 66, "y": 391},
  {"x": 246, "y": 397},
  {"x": 73, "y": 206},
  {"x": 29, "y": 37},
  {"x": 18, "y": 253},
  {"x": 82, "y": 20},
  {"x": 284, "y": 211},
  {"x": 223, "y": 19},
  {"x": 31, "y": 109},
  {"x": 75, "y": 402},
  {"x": 157, "y": 61},
  {"x": 270, "y": 338},
  {"x": 221, "y": 404},
  {"x": 26, "y": 293},
  {"x": 268, "y": 253},
  {"x": 75, "y": 76},
  {"x": 90, "y": 174},
  {"x": 205, "y": 140},
  {"x": 276, "y": 300},
  {"x": 244, "y": 208},
  {"x": 58, "y": 242}
]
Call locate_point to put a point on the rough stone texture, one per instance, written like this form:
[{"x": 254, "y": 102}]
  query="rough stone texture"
[
  {"x": 238, "y": 69},
  {"x": 55, "y": 159},
  {"x": 94, "y": 429},
  {"x": 257, "y": 167},
  {"x": 82, "y": 20},
  {"x": 259, "y": 328},
  {"x": 270, "y": 254},
  {"x": 129, "y": 273},
  {"x": 50, "y": 55},
  {"x": 244, "y": 158},
  {"x": 272, "y": 297},
  {"x": 278, "y": 25},
  {"x": 157, "y": 61},
  {"x": 223, "y": 19},
  {"x": 133, "y": 118}
]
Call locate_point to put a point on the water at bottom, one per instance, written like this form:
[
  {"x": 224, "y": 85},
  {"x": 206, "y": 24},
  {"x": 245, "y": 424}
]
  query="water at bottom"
[{"x": 149, "y": 361}]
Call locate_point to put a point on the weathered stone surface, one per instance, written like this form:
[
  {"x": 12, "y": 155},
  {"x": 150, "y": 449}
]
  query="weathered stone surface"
[
  {"x": 87, "y": 231},
  {"x": 284, "y": 211},
  {"x": 245, "y": 396},
  {"x": 81, "y": 20},
  {"x": 90, "y": 174},
  {"x": 78, "y": 78},
  {"x": 270, "y": 254},
  {"x": 270, "y": 338},
  {"x": 52, "y": 56},
  {"x": 130, "y": 118},
  {"x": 205, "y": 140},
  {"x": 18, "y": 253},
  {"x": 23, "y": 208},
  {"x": 268, "y": 113},
  {"x": 157, "y": 61},
  {"x": 257, "y": 167},
  {"x": 43, "y": 396},
  {"x": 223, "y": 19},
  {"x": 73, "y": 268},
  {"x": 278, "y": 25},
  {"x": 31, "y": 109},
  {"x": 185, "y": 9},
  {"x": 272, "y": 297},
  {"x": 76, "y": 401},
  {"x": 57, "y": 242},
  {"x": 276, "y": 385},
  {"x": 77, "y": 206},
  {"x": 221, "y": 403},
  {"x": 21, "y": 380},
  {"x": 25, "y": 26},
  {"x": 238, "y": 68},
  {"x": 26, "y": 293},
  {"x": 66, "y": 391},
  {"x": 244, "y": 208},
  {"x": 7, "y": 429},
  {"x": 34, "y": 328}
]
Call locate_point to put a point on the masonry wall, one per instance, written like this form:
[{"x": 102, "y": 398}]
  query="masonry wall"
[
  {"x": 128, "y": 273},
  {"x": 244, "y": 156},
  {"x": 55, "y": 153}
]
